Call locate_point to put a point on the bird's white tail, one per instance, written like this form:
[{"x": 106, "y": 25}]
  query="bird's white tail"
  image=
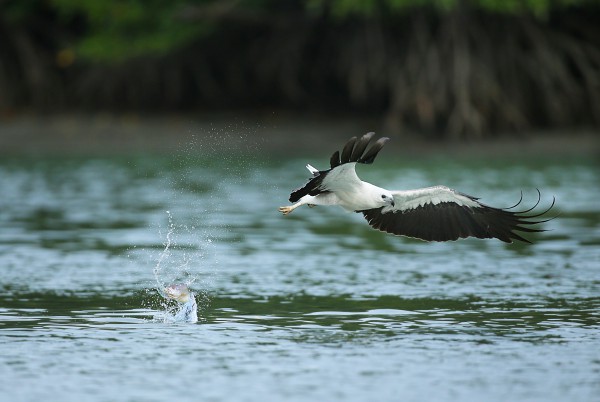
[{"x": 312, "y": 170}]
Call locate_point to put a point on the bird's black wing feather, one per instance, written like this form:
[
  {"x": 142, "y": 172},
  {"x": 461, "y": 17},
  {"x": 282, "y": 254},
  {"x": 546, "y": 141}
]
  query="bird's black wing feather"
[{"x": 450, "y": 221}]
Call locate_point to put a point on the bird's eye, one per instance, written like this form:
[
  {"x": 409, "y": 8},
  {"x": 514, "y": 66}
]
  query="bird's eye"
[{"x": 384, "y": 196}]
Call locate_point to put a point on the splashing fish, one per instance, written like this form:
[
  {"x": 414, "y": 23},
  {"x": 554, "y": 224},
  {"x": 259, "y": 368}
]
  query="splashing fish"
[{"x": 188, "y": 309}]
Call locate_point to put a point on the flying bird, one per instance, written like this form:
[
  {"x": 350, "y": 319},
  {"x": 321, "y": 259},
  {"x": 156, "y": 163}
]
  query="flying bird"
[{"x": 436, "y": 213}]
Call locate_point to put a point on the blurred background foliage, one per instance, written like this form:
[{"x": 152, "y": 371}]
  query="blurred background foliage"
[{"x": 444, "y": 68}]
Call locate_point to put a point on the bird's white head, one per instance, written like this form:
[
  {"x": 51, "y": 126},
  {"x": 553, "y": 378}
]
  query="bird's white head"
[
  {"x": 179, "y": 292},
  {"x": 385, "y": 198}
]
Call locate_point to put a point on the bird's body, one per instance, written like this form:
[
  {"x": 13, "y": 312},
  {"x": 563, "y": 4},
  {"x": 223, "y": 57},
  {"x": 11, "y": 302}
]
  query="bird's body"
[
  {"x": 341, "y": 186},
  {"x": 345, "y": 189},
  {"x": 434, "y": 213}
]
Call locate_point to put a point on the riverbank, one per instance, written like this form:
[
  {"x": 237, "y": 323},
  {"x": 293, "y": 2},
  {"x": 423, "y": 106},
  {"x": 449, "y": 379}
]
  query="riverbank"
[{"x": 107, "y": 134}]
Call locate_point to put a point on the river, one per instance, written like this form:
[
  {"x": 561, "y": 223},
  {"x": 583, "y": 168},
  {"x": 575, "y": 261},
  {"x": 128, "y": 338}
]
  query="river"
[{"x": 311, "y": 306}]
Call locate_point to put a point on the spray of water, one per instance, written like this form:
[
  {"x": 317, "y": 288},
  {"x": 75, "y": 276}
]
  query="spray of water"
[
  {"x": 164, "y": 255},
  {"x": 193, "y": 260},
  {"x": 183, "y": 263}
]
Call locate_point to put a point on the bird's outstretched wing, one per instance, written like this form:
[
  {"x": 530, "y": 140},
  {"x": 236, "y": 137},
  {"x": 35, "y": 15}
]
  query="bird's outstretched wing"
[
  {"x": 352, "y": 153},
  {"x": 440, "y": 214}
]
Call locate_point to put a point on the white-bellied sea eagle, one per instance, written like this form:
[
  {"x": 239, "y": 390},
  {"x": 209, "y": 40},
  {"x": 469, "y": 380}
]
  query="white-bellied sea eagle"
[{"x": 434, "y": 213}]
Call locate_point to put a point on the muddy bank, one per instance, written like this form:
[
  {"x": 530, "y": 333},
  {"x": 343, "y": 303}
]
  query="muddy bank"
[{"x": 106, "y": 134}]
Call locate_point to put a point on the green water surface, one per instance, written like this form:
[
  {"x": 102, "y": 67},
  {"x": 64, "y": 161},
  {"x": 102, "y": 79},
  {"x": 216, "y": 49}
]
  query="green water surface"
[{"x": 312, "y": 306}]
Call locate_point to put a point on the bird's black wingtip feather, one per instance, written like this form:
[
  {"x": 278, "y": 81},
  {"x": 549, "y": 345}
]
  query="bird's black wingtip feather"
[
  {"x": 371, "y": 154},
  {"x": 354, "y": 150},
  {"x": 334, "y": 161},
  {"x": 522, "y": 220}
]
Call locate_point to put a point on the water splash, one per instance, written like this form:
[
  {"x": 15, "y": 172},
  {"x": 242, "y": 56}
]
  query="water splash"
[
  {"x": 192, "y": 261},
  {"x": 165, "y": 254},
  {"x": 178, "y": 263}
]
